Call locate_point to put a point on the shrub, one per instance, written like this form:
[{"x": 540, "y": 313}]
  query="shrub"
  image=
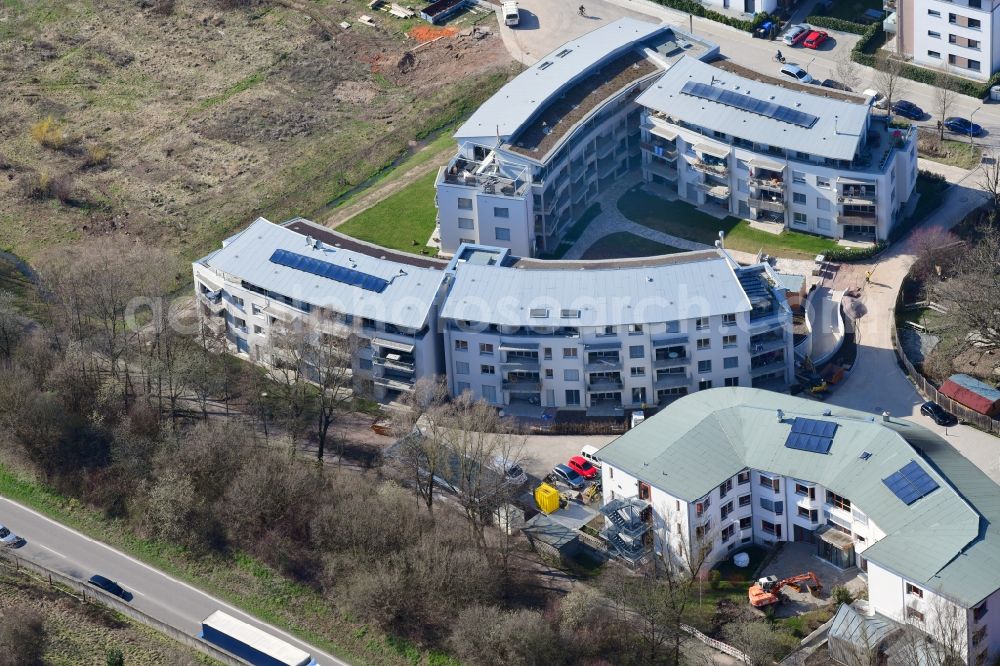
[
  {"x": 22, "y": 635},
  {"x": 849, "y": 254},
  {"x": 842, "y": 595},
  {"x": 114, "y": 657},
  {"x": 41, "y": 185},
  {"x": 49, "y": 133},
  {"x": 833, "y": 23},
  {"x": 96, "y": 156},
  {"x": 697, "y": 9},
  {"x": 796, "y": 625},
  {"x": 714, "y": 578}
]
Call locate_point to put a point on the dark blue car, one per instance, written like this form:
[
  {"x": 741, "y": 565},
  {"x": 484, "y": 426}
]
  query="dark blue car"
[
  {"x": 963, "y": 126},
  {"x": 907, "y": 110},
  {"x": 110, "y": 586}
]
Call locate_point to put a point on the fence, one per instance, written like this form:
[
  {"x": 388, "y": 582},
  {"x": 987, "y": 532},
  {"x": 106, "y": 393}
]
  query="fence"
[
  {"x": 717, "y": 645},
  {"x": 930, "y": 392},
  {"x": 86, "y": 592}
]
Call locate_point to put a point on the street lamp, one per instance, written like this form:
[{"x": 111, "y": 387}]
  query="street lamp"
[
  {"x": 970, "y": 122},
  {"x": 810, "y": 65},
  {"x": 263, "y": 413}
]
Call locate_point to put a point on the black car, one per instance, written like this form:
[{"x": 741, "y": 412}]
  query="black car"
[
  {"x": 963, "y": 126},
  {"x": 836, "y": 85},
  {"x": 938, "y": 413},
  {"x": 110, "y": 586},
  {"x": 907, "y": 110}
]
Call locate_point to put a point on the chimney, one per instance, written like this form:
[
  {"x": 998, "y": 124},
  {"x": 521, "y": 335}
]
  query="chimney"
[
  {"x": 885, "y": 417},
  {"x": 781, "y": 416}
]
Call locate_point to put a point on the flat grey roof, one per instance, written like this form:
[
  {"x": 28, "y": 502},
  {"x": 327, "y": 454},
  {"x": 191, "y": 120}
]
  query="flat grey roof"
[
  {"x": 406, "y": 301},
  {"x": 704, "y": 285},
  {"x": 837, "y": 133},
  {"x": 516, "y": 103},
  {"x": 948, "y": 541}
]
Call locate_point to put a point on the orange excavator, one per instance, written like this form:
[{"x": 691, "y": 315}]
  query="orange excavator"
[{"x": 767, "y": 590}]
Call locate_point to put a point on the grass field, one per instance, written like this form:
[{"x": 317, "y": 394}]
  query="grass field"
[
  {"x": 683, "y": 220},
  {"x": 403, "y": 221},
  {"x": 622, "y": 245},
  {"x": 961, "y": 154}
]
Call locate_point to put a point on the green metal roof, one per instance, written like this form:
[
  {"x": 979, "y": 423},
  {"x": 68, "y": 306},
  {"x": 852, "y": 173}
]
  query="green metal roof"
[{"x": 943, "y": 541}]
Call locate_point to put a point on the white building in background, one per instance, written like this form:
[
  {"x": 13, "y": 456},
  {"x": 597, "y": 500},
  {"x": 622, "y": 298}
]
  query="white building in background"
[
  {"x": 728, "y": 467},
  {"x": 759, "y": 151},
  {"x": 606, "y": 336},
  {"x": 269, "y": 274},
  {"x": 534, "y": 157},
  {"x": 961, "y": 37}
]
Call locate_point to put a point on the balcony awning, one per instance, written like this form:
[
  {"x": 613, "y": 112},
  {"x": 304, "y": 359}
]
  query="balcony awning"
[
  {"x": 664, "y": 132},
  {"x": 718, "y": 191},
  {"x": 835, "y": 538},
  {"x": 670, "y": 340},
  {"x": 598, "y": 346},
  {"x": 508, "y": 345},
  {"x": 392, "y": 344},
  {"x": 759, "y": 161},
  {"x": 715, "y": 151}
]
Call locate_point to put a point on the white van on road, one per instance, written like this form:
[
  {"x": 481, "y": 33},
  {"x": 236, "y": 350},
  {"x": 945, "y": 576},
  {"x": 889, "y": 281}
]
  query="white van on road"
[{"x": 511, "y": 15}]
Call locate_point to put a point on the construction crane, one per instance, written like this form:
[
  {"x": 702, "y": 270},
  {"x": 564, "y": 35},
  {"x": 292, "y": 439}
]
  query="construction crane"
[{"x": 767, "y": 590}]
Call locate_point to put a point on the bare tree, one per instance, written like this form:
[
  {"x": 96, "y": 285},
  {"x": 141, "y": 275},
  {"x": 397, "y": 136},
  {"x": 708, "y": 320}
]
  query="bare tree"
[
  {"x": 935, "y": 634},
  {"x": 22, "y": 635},
  {"x": 847, "y": 71},
  {"x": 971, "y": 293},
  {"x": 12, "y": 324},
  {"x": 888, "y": 78},
  {"x": 758, "y": 640},
  {"x": 424, "y": 437},
  {"x": 988, "y": 181},
  {"x": 944, "y": 98}
]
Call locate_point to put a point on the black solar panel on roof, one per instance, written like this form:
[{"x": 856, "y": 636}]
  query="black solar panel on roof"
[
  {"x": 811, "y": 435},
  {"x": 910, "y": 483},
  {"x": 743, "y": 102},
  {"x": 325, "y": 269}
]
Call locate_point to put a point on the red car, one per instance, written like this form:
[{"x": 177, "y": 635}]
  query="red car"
[
  {"x": 814, "y": 39},
  {"x": 582, "y": 466}
]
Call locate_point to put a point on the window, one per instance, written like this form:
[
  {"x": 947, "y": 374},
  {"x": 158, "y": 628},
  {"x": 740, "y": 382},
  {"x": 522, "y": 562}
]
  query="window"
[
  {"x": 461, "y": 345},
  {"x": 636, "y": 351},
  {"x": 979, "y": 612},
  {"x": 571, "y": 375},
  {"x": 644, "y": 490},
  {"x": 485, "y": 349},
  {"x": 822, "y": 203},
  {"x": 805, "y": 491},
  {"x": 702, "y": 506},
  {"x": 701, "y": 323},
  {"x": 934, "y": 12},
  {"x": 799, "y": 198},
  {"x": 798, "y": 177},
  {"x": 974, "y": 24},
  {"x": 767, "y": 504},
  {"x": 490, "y": 393},
  {"x": 729, "y": 319},
  {"x": 637, "y": 372},
  {"x": 704, "y": 366},
  {"x": 499, "y": 211},
  {"x": 770, "y": 528},
  {"x": 255, "y": 309},
  {"x": 237, "y": 300},
  {"x": 744, "y": 500},
  {"x": 768, "y": 482},
  {"x": 487, "y": 370},
  {"x": 800, "y": 219},
  {"x": 672, "y": 327},
  {"x": 606, "y": 331},
  {"x": 973, "y": 65},
  {"x": 548, "y": 373},
  {"x": 952, "y": 19},
  {"x": 934, "y": 35},
  {"x": 461, "y": 368},
  {"x": 466, "y": 223},
  {"x": 467, "y": 241},
  {"x": 635, "y": 329},
  {"x": 731, "y": 381},
  {"x": 547, "y": 353},
  {"x": 743, "y": 477},
  {"x": 742, "y": 185},
  {"x": 934, "y": 54},
  {"x": 745, "y": 523},
  {"x": 812, "y": 515},
  {"x": 823, "y": 182},
  {"x": 915, "y": 591},
  {"x": 972, "y": 44},
  {"x": 569, "y": 314},
  {"x": 731, "y": 362},
  {"x": 704, "y": 384},
  {"x": 569, "y": 352},
  {"x": 725, "y": 487},
  {"x": 258, "y": 330},
  {"x": 572, "y": 397},
  {"x": 976, "y": 4},
  {"x": 978, "y": 637},
  {"x": 502, "y": 233},
  {"x": 727, "y": 532},
  {"x": 914, "y": 614},
  {"x": 728, "y": 341},
  {"x": 836, "y": 500},
  {"x": 825, "y": 222},
  {"x": 704, "y": 343},
  {"x": 462, "y": 387},
  {"x": 538, "y": 313},
  {"x": 464, "y": 204}
]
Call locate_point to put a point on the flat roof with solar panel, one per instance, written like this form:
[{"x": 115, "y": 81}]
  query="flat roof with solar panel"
[
  {"x": 910, "y": 483},
  {"x": 325, "y": 269},
  {"x": 811, "y": 435},
  {"x": 745, "y": 102}
]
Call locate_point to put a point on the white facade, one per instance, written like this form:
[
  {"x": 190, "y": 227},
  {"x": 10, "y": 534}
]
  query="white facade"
[
  {"x": 960, "y": 37},
  {"x": 745, "y": 6}
]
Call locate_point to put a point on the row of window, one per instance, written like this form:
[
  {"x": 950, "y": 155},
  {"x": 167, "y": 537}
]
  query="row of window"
[{"x": 959, "y": 19}]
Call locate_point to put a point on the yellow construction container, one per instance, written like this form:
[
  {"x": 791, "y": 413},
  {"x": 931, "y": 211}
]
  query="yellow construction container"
[{"x": 547, "y": 498}]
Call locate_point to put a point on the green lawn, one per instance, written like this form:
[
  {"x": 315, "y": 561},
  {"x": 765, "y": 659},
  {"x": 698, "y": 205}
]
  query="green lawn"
[
  {"x": 683, "y": 220},
  {"x": 852, "y": 10},
  {"x": 961, "y": 154},
  {"x": 403, "y": 221},
  {"x": 733, "y": 573},
  {"x": 574, "y": 232},
  {"x": 704, "y": 602},
  {"x": 622, "y": 245}
]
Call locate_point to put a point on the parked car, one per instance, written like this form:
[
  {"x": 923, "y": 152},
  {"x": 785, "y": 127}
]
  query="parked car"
[
  {"x": 582, "y": 466},
  {"x": 797, "y": 73},
  {"x": 836, "y": 85},
  {"x": 10, "y": 540},
  {"x": 568, "y": 476},
  {"x": 815, "y": 39},
  {"x": 110, "y": 586},
  {"x": 796, "y": 33},
  {"x": 875, "y": 98},
  {"x": 589, "y": 452},
  {"x": 907, "y": 110},
  {"x": 963, "y": 126},
  {"x": 513, "y": 474},
  {"x": 938, "y": 413}
]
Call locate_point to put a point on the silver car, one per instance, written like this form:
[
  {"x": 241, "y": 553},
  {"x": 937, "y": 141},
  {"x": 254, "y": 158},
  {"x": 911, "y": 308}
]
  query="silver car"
[
  {"x": 10, "y": 540},
  {"x": 797, "y": 73},
  {"x": 569, "y": 477},
  {"x": 796, "y": 34}
]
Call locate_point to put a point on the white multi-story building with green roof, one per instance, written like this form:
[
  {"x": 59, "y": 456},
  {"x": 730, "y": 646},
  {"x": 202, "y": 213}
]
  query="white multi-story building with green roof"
[{"x": 731, "y": 466}]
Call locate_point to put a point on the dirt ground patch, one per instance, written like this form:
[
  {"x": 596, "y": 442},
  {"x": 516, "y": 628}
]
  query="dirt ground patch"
[
  {"x": 177, "y": 121},
  {"x": 427, "y": 33}
]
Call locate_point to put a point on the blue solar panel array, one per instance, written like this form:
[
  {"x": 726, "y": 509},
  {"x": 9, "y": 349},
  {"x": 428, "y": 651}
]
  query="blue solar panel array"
[
  {"x": 761, "y": 107},
  {"x": 811, "y": 435},
  {"x": 910, "y": 483},
  {"x": 325, "y": 269}
]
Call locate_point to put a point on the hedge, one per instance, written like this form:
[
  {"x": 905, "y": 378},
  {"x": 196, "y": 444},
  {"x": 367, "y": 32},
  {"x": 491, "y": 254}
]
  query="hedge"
[
  {"x": 834, "y": 23},
  {"x": 855, "y": 253},
  {"x": 697, "y": 9}
]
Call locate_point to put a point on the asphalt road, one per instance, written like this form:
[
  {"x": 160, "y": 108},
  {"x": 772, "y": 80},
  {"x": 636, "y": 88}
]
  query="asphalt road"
[{"x": 163, "y": 597}]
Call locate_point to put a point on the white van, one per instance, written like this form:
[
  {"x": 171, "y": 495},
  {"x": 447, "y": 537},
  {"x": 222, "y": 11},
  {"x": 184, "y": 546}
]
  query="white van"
[
  {"x": 590, "y": 453},
  {"x": 511, "y": 15}
]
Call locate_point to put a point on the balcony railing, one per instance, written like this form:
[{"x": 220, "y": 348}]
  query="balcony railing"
[
  {"x": 767, "y": 183},
  {"x": 675, "y": 362},
  {"x": 394, "y": 364},
  {"x": 774, "y": 205},
  {"x": 662, "y": 170},
  {"x": 215, "y": 305},
  {"x": 764, "y": 346},
  {"x": 393, "y": 383},
  {"x": 857, "y": 218},
  {"x": 710, "y": 167},
  {"x": 672, "y": 380},
  {"x": 767, "y": 368},
  {"x": 660, "y": 150},
  {"x": 520, "y": 364},
  {"x": 604, "y": 365},
  {"x": 604, "y": 385},
  {"x": 522, "y": 386},
  {"x": 862, "y": 198}
]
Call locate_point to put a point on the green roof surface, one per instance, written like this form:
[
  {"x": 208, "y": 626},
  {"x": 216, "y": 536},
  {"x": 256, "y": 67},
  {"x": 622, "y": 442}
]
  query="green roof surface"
[{"x": 945, "y": 541}]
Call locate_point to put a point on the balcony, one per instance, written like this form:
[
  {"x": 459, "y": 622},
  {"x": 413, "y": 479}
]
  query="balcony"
[
  {"x": 767, "y": 368},
  {"x": 714, "y": 190},
  {"x": 857, "y": 196},
  {"x": 662, "y": 170},
  {"x": 764, "y": 346},
  {"x": 516, "y": 363},
  {"x": 773, "y": 205},
  {"x": 488, "y": 176},
  {"x": 213, "y": 301},
  {"x": 671, "y": 362},
  {"x": 393, "y": 383},
  {"x": 604, "y": 384},
  {"x": 767, "y": 183},
  {"x": 672, "y": 380},
  {"x": 858, "y": 217},
  {"x": 394, "y": 362},
  {"x": 522, "y": 386},
  {"x": 604, "y": 365},
  {"x": 664, "y": 150},
  {"x": 713, "y": 168}
]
